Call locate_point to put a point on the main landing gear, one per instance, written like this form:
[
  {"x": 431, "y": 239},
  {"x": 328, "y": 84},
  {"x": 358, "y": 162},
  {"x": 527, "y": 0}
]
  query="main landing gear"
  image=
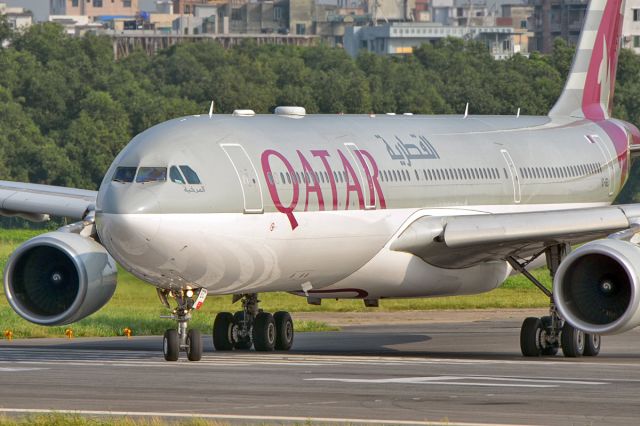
[
  {"x": 179, "y": 340},
  {"x": 544, "y": 336},
  {"x": 252, "y": 327}
]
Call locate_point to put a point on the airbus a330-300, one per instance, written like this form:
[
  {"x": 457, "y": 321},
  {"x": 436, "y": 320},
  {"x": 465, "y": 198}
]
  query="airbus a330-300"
[{"x": 354, "y": 207}]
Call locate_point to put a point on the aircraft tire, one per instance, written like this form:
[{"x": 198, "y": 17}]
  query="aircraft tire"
[
  {"x": 264, "y": 332},
  {"x": 592, "y": 344},
  {"x": 530, "y": 335},
  {"x": 194, "y": 345},
  {"x": 171, "y": 345},
  {"x": 548, "y": 350},
  {"x": 572, "y": 341},
  {"x": 223, "y": 331},
  {"x": 284, "y": 330},
  {"x": 241, "y": 344}
]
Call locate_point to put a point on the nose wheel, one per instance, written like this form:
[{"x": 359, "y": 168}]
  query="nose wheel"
[
  {"x": 252, "y": 327},
  {"x": 180, "y": 339}
]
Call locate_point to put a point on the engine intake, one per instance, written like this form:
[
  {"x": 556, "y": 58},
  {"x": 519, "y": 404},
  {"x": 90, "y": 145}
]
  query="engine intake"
[
  {"x": 597, "y": 287},
  {"x": 59, "y": 278}
]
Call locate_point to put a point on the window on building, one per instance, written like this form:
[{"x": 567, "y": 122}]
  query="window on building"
[
  {"x": 74, "y": 3},
  {"x": 523, "y": 23},
  {"x": 97, "y": 3},
  {"x": 301, "y": 29},
  {"x": 277, "y": 13},
  {"x": 636, "y": 15},
  {"x": 636, "y": 41},
  {"x": 236, "y": 14},
  {"x": 126, "y": 3}
]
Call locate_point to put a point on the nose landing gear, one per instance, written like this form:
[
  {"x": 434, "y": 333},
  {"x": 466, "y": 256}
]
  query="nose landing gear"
[
  {"x": 181, "y": 340},
  {"x": 252, "y": 327}
]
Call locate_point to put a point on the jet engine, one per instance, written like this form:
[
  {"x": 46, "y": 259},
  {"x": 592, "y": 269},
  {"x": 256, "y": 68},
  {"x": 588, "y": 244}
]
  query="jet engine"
[
  {"x": 597, "y": 287},
  {"x": 59, "y": 278}
]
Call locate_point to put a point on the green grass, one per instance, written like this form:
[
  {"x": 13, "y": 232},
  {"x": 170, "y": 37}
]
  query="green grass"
[
  {"x": 136, "y": 306},
  {"x": 77, "y": 420}
]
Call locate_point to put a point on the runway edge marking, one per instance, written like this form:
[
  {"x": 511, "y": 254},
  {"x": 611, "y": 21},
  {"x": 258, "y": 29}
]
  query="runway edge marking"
[{"x": 245, "y": 417}]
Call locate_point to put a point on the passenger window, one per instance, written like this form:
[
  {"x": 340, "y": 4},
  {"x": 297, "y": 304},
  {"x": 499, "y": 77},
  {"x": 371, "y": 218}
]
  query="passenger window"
[
  {"x": 151, "y": 174},
  {"x": 176, "y": 176},
  {"x": 190, "y": 175},
  {"x": 124, "y": 174}
]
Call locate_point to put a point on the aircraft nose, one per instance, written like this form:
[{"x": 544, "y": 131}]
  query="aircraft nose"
[{"x": 118, "y": 198}]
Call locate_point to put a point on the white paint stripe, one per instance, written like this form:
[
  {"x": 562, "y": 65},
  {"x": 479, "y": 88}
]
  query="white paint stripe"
[
  {"x": 467, "y": 381},
  {"x": 576, "y": 81},
  {"x": 436, "y": 381},
  {"x": 246, "y": 417},
  {"x": 18, "y": 369}
]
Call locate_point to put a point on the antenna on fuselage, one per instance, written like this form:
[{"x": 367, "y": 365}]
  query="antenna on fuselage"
[
  {"x": 466, "y": 110},
  {"x": 211, "y": 110}
]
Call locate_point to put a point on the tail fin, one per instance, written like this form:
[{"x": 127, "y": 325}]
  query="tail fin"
[{"x": 588, "y": 92}]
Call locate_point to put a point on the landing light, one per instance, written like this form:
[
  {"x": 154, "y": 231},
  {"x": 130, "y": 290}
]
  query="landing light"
[{"x": 189, "y": 293}]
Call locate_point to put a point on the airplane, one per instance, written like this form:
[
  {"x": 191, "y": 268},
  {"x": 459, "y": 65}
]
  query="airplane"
[{"x": 354, "y": 207}]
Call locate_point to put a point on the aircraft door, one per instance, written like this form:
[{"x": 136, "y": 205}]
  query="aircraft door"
[
  {"x": 513, "y": 172},
  {"x": 368, "y": 190},
  {"x": 608, "y": 161},
  {"x": 248, "y": 177}
]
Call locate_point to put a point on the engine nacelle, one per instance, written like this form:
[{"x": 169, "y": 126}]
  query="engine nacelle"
[
  {"x": 59, "y": 278},
  {"x": 597, "y": 287}
]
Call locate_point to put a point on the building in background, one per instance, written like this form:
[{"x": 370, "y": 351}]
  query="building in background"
[
  {"x": 403, "y": 37},
  {"x": 17, "y": 17},
  {"x": 631, "y": 26},
  {"x": 94, "y": 8},
  {"x": 556, "y": 18}
]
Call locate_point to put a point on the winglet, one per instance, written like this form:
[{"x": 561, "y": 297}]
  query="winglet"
[{"x": 211, "y": 110}]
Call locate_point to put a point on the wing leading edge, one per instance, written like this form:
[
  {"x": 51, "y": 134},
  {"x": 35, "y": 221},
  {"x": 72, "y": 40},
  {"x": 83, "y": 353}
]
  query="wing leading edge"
[
  {"x": 37, "y": 202},
  {"x": 463, "y": 241}
]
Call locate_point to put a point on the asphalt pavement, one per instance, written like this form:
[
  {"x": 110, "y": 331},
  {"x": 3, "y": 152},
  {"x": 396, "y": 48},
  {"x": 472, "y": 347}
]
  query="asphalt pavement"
[{"x": 459, "y": 373}]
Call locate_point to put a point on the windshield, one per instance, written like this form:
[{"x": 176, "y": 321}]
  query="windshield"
[
  {"x": 124, "y": 174},
  {"x": 190, "y": 175},
  {"x": 151, "y": 174}
]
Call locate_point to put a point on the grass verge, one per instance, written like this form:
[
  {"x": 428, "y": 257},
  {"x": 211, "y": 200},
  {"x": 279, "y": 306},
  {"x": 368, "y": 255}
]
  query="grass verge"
[{"x": 136, "y": 306}]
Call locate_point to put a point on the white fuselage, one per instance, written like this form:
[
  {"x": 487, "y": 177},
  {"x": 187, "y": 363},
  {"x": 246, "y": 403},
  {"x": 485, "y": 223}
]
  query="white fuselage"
[{"x": 252, "y": 226}]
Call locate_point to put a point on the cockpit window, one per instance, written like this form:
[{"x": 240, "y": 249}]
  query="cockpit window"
[
  {"x": 190, "y": 175},
  {"x": 151, "y": 174},
  {"x": 175, "y": 175},
  {"x": 124, "y": 174}
]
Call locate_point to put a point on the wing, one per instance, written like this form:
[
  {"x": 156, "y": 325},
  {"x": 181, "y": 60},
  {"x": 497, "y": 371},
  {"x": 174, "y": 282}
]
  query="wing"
[
  {"x": 463, "y": 241},
  {"x": 37, "y": 202}
]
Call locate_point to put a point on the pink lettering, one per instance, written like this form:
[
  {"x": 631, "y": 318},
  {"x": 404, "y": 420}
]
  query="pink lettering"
[
  {"x": 273, "y": 191},
  {"x": 312, "y": 183},
  {"x": 348, "y": 170},
  {"x": 372, "y": 178},
  {"x": 323, "y": 154}
]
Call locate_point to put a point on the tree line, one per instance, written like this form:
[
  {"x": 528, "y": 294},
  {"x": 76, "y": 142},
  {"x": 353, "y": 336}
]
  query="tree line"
[{"x": 67, "y": 108}]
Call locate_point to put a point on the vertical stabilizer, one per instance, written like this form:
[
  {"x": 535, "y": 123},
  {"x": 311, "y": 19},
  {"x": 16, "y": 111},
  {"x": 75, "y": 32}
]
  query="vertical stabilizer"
[{"x": 588, "y": 92}]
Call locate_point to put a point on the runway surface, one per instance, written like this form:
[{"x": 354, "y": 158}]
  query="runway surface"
[{"x": 462, "y": 373}]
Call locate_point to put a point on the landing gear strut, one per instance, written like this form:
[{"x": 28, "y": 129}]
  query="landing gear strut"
[
  {"x": 252, "y": 327},
  {"x": 544, "y": 336},
  {"x": 175, "y": 341}
]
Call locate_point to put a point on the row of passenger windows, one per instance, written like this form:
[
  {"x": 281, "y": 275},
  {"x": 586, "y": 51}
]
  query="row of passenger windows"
[
  {"x": 442, "y": 174},
  {"x": 469, "y": 174},
  {"x": 560, "y": 172},
  {"x": 178, "y": 174}
]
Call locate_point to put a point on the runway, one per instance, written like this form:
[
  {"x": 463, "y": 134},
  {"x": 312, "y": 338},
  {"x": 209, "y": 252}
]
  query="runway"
[{"x": 465, "y": 373}]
